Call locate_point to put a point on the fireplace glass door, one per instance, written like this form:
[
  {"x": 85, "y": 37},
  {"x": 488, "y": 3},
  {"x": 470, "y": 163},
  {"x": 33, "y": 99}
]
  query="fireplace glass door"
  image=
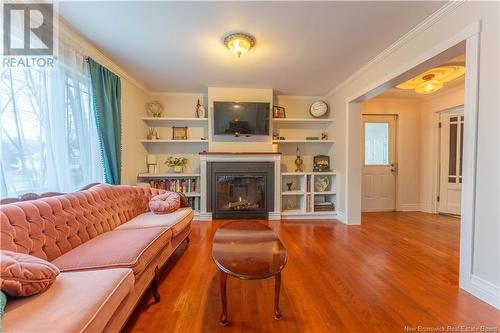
[{"x": 240, "y": 193}]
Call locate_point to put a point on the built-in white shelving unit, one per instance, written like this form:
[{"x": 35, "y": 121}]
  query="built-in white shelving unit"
[
  {"x": 197, "y": 128},
  {"x": 307, "y": 194}
]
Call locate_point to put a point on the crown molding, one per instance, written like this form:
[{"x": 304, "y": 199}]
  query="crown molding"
[
  {"x": 68, "y": 34},
  {"x": 405, "y": 39}
]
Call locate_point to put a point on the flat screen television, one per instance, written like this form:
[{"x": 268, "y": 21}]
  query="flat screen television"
[{"x": 241, "y": 118}]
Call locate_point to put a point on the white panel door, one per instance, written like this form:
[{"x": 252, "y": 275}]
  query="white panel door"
[
  {"x": 450, "y": 164},
  {"x": 379, "y": 164}
]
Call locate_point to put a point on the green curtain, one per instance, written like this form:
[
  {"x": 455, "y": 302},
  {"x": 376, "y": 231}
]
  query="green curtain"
[{"x": 106, "y": 97}]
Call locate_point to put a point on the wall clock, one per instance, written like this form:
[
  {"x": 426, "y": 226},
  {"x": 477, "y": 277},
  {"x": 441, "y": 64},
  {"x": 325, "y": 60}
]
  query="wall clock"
[{"x": 318, "y": 109}]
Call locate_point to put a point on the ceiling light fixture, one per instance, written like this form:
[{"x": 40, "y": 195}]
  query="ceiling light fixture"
[
  {"x": 239, "y": 43},
  {"x": 433, "y": 79}
]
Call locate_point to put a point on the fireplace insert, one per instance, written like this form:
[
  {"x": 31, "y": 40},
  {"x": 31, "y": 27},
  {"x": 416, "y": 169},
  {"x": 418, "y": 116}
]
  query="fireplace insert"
[{"x": 240, "y": 189}]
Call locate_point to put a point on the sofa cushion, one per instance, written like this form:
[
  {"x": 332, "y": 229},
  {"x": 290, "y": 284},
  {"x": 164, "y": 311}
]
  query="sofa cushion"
[
  {"x": 165, "y": 203},
  {"x": 49, "y": 227},
  {"x": 129, "y": 248},
  {"x": 25, "y": 275},
  {"x": 76, "y": 302},
  {"x": 177, "y": 221}
]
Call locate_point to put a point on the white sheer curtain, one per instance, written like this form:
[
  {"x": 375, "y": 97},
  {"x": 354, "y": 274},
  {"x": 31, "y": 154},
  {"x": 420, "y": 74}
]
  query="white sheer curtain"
[{"x": 48, "y": 133}]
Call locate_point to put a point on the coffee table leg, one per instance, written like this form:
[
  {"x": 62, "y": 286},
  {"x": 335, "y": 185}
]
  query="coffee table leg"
[
  {"x": 223, "y": 316},
  {"x": 277, "y": 286}
]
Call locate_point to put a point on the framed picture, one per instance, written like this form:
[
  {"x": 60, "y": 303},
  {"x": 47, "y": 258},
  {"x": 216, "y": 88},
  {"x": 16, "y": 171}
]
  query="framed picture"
[
  {"x": 179, "y": 133},
  {"x": 321, "y": 163},
  {"x": 279, "y": 112}
]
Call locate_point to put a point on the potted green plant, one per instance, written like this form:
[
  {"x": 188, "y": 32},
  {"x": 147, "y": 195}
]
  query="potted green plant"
[{"x": 178, "y": 163}]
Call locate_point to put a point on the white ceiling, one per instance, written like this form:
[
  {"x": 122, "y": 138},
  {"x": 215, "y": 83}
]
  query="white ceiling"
[
  {"x": 395, "y": 93},
  {"x": 303, "y": 48}
]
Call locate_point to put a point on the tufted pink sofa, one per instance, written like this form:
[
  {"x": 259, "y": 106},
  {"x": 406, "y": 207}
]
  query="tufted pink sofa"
[{"x": 108, "y": 247}]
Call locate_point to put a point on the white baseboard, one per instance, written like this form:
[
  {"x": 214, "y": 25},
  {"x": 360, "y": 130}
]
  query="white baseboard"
[
  {"x": 409, "y": 207},
  {"x": 484, "y": 290},
  {"x": 332, "y": 217},
  {"x": 274, "y": 216},
  {"x": 341, "y": 217},
  {"x": 205, "y": 216}
]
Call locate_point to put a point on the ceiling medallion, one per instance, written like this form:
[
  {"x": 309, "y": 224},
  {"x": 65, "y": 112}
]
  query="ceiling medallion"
[
  {"x": 239, "y": 43},
  {"x": 433, "y": 79}
]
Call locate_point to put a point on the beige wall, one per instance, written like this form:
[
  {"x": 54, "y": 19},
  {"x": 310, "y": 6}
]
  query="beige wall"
[
  {"x": 408, "y": 144},
  {"x": 133, "y": 130},
  {"x": 486, "y": 251}
]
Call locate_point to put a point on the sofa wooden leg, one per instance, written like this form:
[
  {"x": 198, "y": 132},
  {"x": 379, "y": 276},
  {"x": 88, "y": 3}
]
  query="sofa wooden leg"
[
  {"x": 156, "y": 284},
  {"x": 187, "y": 239}
]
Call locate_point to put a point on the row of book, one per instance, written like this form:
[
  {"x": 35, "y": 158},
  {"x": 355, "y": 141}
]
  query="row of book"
[
  {"x": 184, "y": 185},
  {"x": 194, "y": 202}
]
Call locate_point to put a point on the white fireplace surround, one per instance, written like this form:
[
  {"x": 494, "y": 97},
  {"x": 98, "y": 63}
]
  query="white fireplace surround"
[{"x": 240, "y": 157}]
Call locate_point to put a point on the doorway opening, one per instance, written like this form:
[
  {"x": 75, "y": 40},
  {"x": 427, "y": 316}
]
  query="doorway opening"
[{"x": 466, "y": 41}]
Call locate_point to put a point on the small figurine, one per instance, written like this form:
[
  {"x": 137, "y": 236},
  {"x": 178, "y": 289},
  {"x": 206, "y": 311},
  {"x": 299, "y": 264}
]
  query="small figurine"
[
  {"x": 324, "y": 136},
  {"x": 200, "y": 110},
  {"x": 299, "y": 163},
  {"x": 289, "y": 186}
]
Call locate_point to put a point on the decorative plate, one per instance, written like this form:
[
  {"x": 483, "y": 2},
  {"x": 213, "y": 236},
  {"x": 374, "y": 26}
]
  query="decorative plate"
[
  {"x": 321, "y": 183},
  {"x": 318, "y": 109}
]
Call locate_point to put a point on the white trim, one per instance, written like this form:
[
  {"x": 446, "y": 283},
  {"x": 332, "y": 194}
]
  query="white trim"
[
  {"x": 415, "y": 207},
  {"x": 205, "y": 216},
  {"x": 468, "y": 205},
  {"x": 341, "y": 217},
  {"x": 274, "y": 216},
  {"x": 405, "y": 39},
  {"x": 310, "y": 216},
  {"x": 485, "y": 290}
]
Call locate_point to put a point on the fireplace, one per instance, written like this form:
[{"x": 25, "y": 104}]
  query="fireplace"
[{"x": 240, "y": 189}]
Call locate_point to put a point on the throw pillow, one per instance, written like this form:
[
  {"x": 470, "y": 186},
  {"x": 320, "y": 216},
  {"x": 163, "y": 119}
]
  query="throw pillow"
[
  {"x": 184, "y": 199},
  {"x": 165, "y": 203},
  {"x": 25, "y": 275}
]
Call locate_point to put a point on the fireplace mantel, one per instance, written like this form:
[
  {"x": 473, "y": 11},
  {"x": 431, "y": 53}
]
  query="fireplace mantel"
[{"x": 274, "y": 157}]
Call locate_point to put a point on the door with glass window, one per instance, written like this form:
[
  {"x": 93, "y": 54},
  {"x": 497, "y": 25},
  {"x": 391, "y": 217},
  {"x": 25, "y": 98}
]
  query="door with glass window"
[
  {"x": 450, "y": 165},
  {"x": 379, "y": 163}
]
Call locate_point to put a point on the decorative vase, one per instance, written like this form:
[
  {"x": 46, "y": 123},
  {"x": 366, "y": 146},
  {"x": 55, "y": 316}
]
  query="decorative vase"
[{"x": 178, "y": 168}]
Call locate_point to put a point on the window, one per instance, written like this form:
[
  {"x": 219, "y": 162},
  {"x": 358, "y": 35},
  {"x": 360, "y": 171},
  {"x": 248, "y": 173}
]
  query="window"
[
  {"x": 48, "y": 134},
  {"x": 376, "y": 143}
]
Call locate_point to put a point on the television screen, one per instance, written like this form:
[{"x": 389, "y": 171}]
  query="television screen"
[{"x": 241, "y": 118}]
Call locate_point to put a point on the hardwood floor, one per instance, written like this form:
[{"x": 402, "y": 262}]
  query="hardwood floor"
[{"x": 395, "y": 270}]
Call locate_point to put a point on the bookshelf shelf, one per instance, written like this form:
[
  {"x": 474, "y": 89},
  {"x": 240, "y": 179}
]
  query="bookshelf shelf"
[{"x": 305, "y": 199}]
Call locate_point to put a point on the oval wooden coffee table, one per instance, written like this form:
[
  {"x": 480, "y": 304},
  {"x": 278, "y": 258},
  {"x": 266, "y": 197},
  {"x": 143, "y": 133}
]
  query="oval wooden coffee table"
[{"x": 249, "y": 251}]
